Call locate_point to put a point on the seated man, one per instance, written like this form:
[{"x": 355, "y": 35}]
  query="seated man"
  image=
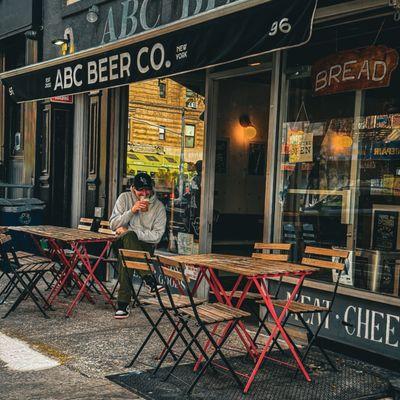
[{"x": 139, "y": 218}]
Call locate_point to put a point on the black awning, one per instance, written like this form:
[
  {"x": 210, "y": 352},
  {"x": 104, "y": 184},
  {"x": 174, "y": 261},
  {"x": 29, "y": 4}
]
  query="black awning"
[{"x": 273, "y": 25}]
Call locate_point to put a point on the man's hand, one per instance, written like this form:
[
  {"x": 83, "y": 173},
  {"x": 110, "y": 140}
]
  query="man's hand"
[
  {"x": 121, "y": 230},
  {"x": 140, "y": 205}
]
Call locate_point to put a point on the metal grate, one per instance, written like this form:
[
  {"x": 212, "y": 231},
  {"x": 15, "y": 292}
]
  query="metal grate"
[{"x": 273, "y": 382}]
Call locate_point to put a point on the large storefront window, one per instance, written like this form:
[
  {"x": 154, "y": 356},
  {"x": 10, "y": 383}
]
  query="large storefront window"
[
  {"x": 339, "y": 170},
  {"x": 165, "y": 140}
]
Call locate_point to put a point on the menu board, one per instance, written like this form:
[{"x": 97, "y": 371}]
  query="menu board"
[
  {"x": 385, "y": 226},
  {"x": 221, "y": 156},
  {"x": 256, "y": 164}
]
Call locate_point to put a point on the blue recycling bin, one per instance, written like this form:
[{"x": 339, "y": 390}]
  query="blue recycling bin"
[{"x": 18, "y": 212}]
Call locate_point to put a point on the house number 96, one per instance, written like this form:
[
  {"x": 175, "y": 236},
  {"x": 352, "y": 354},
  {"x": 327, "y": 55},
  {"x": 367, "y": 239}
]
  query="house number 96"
[{"x": 283, "y": 25}]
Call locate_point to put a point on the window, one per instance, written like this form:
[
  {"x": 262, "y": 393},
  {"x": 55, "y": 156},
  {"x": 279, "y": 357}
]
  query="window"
[
  {"x": 339, "y": 171},
  {"x": 161, "y": 133},
  {"x": 189, "y": 135},
  {"x": 162, "y": 88},
  {"x": 133, "y": 156},
  {"x": 191, "y": 98},
  {"x": 152, "y": 158},
  {"x": 156, "y": 137}
]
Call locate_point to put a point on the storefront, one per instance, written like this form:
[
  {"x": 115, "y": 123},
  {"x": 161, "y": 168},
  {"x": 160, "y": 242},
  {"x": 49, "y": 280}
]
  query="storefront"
[
  {"x": 300, "y": 144},
  {"x": 19, "y": 42},
  {"x": 337, "y": 171}
]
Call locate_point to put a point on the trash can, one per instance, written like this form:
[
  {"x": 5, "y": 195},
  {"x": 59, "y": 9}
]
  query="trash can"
[{"x": 18, "y": 212}]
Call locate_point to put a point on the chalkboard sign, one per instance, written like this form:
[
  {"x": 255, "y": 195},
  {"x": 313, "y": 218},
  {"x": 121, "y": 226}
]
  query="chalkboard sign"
[
  {"x": 221, "y": 156},
  {"x": 385, "y": 230},
  {"x": 256, "y": 165}
]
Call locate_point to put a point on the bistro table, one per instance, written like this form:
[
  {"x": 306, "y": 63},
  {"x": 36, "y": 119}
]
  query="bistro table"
[
  {"x": 77, "y": 240},
  {"x": 254, "y": 272}
]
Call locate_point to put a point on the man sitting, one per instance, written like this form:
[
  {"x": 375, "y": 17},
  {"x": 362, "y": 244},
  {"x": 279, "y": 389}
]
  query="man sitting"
[{"x": 139, "y": 219}]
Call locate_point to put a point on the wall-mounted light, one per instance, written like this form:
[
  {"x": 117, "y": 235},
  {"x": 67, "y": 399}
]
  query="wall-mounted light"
[
  {"x": 66, "y": 43},
  {"x": 63, "y": 44},
  {"x": 93, "y": 14},
  {"x": 249, "y": 129},
  {"x": 60, "y": 42}
]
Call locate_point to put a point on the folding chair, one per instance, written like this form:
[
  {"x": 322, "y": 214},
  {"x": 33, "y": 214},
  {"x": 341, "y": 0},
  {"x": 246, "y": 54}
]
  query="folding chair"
[
  {"x": 25, "y": 272},
  {"x": 204, "y": 315},
  {"x": 272, "y": 252},
  {"x": 141, "y": 261},
  {"x": 109, "y": 259},
  {"x": 298, "y": 308},
  {"x": 89, "y": 224},
  {"x": 6, "y": 273}
]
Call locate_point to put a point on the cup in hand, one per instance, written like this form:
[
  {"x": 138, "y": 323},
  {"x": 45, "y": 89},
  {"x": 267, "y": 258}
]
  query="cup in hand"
[{"x": 144, "y": 199}]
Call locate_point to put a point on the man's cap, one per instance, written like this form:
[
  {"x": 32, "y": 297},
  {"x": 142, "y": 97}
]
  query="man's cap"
[{"x": 142, "y": 181}]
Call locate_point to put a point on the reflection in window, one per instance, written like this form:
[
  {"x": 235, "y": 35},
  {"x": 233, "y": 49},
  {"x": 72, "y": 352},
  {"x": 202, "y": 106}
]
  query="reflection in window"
[
  {"x": 155, "y": 137},
  {"x": 339, "y": 175},
  {"x": 189, "y": 135},
  {"x": 161, "y": 132},
  {"x": 152, "y": 158},
  {"x": 162, "y": 88}
]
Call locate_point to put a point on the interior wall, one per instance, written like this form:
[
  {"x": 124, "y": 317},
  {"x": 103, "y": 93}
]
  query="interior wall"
[{"x": 237, "y": 192}]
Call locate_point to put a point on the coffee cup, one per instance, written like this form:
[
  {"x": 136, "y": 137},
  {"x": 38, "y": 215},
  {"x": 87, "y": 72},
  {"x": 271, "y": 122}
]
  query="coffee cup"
[{"x": 145, "y": 200}]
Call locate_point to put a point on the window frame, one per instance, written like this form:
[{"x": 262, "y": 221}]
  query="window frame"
[{"x": 187, "y": 136}]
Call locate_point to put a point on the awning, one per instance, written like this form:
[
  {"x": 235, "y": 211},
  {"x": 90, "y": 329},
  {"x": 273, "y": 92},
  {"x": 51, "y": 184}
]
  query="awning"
[{"x": 273, "y": 25}]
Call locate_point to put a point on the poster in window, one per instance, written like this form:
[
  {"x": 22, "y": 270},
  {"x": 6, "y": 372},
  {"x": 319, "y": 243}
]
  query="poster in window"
[
  {"x": 221, "y": 156},
  {"x": 300, "y": 146},
  {"x": 256, "y": 165},
  {"x": 384, "y": 234}
]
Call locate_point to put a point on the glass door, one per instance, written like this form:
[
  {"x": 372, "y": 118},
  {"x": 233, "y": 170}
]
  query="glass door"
[{"x": 241, "y": 126}]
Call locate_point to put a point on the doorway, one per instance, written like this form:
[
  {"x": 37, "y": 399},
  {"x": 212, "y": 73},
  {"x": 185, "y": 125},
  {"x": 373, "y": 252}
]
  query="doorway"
[
  {"x": 56, "y": 140},
  {"x": 241, "y": 124}
]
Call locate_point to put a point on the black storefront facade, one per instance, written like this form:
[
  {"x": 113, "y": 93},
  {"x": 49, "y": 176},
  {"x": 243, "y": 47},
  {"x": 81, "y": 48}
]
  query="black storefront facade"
[
  {"x": 330, "y": 162},
  {"x": 20, "y": 44}
]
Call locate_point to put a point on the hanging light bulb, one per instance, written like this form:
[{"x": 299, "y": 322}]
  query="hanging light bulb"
[{"x": 249, "y": 130}]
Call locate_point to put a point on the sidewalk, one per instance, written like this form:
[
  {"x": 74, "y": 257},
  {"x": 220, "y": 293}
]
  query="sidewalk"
[{"x": 88, "y": 346}]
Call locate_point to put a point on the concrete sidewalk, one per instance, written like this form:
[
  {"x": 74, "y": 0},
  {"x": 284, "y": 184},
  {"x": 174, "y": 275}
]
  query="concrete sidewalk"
[{"x": 88, "y": 346}]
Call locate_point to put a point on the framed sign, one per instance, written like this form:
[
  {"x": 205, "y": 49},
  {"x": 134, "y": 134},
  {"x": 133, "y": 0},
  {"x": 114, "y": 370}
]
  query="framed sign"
[
  {"x": 385, "y": 233},
  {"x": 221, "y": 156}
]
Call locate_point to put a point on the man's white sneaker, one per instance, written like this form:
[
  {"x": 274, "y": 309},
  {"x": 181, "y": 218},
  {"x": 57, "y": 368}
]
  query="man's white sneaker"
[{"x": 122, "y": 312}]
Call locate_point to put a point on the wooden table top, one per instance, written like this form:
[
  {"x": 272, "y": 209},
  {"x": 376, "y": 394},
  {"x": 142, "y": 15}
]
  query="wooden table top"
[
  {"x": 247, "y": 266},
  {"x": 62, "y": 233}
]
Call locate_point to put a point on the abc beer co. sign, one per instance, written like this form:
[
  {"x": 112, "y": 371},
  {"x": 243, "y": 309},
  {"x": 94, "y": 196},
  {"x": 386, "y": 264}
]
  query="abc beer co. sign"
[{"x": 365, "y": 68}]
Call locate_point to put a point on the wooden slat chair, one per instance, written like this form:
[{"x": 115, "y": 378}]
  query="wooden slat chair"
[
  {"x": 204, "y": 315},
  {"x": 85, "y": 224},
  {"x": 8, "y": 286},
  {"x": 25, "y": 274},
  {"x": 272, "y": 252},
  {"x": 266, "y": 251},
  {"x": 110, "y": 258},
  {"x": 321, "y": 258},
  {"x": 142, "y": 261}
]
